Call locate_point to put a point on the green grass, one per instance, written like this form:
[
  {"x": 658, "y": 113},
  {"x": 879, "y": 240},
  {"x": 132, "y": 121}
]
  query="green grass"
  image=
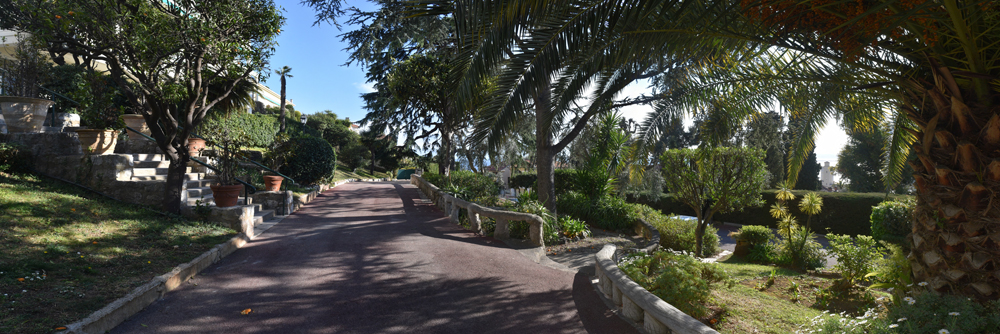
[
  {"x": 344, "y": 173},
  {"x": 65, "y": 252}
]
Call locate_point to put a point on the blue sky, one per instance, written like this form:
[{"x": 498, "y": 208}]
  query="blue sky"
[
  {"x": 315, "y": 54},
  {"x": 320, "y": 82}
]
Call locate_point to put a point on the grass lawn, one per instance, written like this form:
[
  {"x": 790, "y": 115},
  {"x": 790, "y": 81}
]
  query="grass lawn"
[
  {"x": 344, "y": 173},
  {"x": 792, "y": 299},
  {"x": 66, "y": 252}
]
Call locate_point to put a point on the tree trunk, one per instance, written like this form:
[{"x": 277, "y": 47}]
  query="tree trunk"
[
  {"x": 544, "y": 155},
  {"x": 445, "y": 156},
  {"x": 281, "y": 111},
  {"x": 175, "y": 179},
  {"x": 956, "y": 223}
]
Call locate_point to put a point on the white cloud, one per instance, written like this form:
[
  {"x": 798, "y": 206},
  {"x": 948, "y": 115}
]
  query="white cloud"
[{"x": 365, "y": 87}]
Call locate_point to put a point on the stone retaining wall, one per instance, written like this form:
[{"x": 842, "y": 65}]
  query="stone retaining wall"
[
  {"x": 655, "y": 315},
  {"x": 451, "y": 206}
]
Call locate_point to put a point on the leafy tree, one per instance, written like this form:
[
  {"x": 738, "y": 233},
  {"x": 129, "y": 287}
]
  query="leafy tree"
[
  {"x": 711, "y": 180},
  {"x": 165, "y": 58},
  {"x": 284, "y": 73},
  {"x": 336, "y": 131},
  {"x": 860, "y": 161}
]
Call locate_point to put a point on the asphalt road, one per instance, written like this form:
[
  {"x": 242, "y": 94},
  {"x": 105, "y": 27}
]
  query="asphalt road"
[{"x": 374, "y": 258}]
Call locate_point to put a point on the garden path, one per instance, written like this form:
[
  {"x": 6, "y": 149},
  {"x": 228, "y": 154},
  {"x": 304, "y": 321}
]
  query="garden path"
[{"x": 372, "y": 257}]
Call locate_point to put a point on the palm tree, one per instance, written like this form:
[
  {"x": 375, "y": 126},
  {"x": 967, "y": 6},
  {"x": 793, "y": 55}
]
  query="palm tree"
[
  {"x": 926, "y": 67},
  {"x": 283, "y": 72}
]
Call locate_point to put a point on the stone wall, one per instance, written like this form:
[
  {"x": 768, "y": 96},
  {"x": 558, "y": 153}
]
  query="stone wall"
[{"x": 279, "y": 201}]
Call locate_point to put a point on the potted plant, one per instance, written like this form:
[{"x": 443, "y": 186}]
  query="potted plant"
[
  {"x": 277, "y": 154},
  {"x": 23, "y": 110},
  {"x": 100, "y": 113},
  {"x": 225, "y": 189}
]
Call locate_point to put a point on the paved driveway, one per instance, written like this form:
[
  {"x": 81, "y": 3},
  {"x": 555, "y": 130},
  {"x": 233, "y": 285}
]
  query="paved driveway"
[{"x": 374, "y": 258}]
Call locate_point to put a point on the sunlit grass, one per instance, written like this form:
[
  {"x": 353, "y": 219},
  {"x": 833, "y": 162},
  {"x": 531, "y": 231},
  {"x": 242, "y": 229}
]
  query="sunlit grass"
[{"x": 65, "y": 252}]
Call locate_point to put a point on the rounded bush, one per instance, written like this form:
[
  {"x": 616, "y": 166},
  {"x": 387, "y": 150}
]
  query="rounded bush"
[
  {"x": 890, "y": 220},
  {"x": 755, "y": 235},
  {"x": 312, "y": 160}
]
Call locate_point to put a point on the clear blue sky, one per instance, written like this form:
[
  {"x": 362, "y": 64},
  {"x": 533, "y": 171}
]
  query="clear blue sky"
[{"x": 315, "y": 54}]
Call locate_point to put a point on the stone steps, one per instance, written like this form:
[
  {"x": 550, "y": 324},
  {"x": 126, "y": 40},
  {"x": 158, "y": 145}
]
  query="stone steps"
[
  {"x": 141, "y": 171},
  {"x": 188, "y": 176}
]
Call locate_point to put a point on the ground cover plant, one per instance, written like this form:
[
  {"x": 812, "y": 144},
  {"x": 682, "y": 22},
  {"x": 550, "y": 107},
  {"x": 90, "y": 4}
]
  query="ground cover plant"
[{"x": 65, "y": 252}]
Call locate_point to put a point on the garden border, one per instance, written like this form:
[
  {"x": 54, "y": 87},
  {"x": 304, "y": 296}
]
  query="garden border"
[
  {"x": 639, "y": 305},
  {"x": 451, "y": 206},
  {"x": 118, "y": 311}
]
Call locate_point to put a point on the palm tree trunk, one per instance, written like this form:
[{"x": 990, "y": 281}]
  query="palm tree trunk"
[
  {"x": 956, "y": 226},
  {"x": 544, "y": 156},
  {"x": 281, "y": 117}
]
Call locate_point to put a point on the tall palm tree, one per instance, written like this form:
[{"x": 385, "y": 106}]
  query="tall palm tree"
[
  {"x": 928, "y": 67},
  {"x": 283, "y": 72}
]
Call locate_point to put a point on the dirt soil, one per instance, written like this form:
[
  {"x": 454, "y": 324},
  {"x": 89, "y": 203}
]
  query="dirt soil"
[{"x": 580, "y": 253}]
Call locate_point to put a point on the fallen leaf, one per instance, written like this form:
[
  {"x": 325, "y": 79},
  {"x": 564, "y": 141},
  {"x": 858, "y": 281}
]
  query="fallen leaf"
[
  {"x": 246, "y": 311},
  {"x": 20, "y": 279},
  {"x": 60, "y": 328}
]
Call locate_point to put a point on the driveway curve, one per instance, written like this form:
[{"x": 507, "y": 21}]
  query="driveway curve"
[{"x": 372, "y": 257}]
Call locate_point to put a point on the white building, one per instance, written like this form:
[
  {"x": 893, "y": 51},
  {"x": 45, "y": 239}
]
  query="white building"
[{"x": 826, "y": 175}]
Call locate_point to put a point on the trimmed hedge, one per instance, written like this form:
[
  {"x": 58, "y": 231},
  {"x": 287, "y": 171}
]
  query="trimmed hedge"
[
  {"x": 891, "y": 220},
  {"x": 312, "y": 160},
  {"x": 843, "y": 213},
  {"x": 259, "y": 129},
  {"x": 565, "y": 180}
]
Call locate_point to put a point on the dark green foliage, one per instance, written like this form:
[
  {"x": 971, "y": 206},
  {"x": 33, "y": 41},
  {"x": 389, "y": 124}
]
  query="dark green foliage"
[
  {"x": 312, "y": 160},
  {"x": 14, "y": 158},
  {"x": 763, "y": 253},
  {"x": 477, "y": 185},
  {"x": 336, "y": 131},
  {"x": 258, "y": 130},
  {"x": 679, "y": 234},
  {"x": 680, "y": 280},
  {"x": 891, "y": 220},
  {"x": 809, "y": 174},
  {"x": 614, "y": 214},
  {"x": 67, "y": 80},
  {"x": 843, "y": 213},
  {"x": 565, "y": 180},
  {"x": 800, "y": 251}
]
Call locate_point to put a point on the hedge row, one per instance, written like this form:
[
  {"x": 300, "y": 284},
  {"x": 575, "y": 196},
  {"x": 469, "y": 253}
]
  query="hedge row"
[
  {"x": 258, "y": 129},
  {"x": 843, "y": 213},
  {"x": 564, "y": 179}
]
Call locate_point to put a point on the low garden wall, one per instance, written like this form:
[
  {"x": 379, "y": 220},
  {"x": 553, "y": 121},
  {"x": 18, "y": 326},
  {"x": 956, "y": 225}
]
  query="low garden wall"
[
  {"x": 452, "y": 206},
  {"x": 638, "y": 304}
]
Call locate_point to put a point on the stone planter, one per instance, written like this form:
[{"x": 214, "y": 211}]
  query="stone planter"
[
  {"x": 24, "y": 114},
  {"x": 97, "y": 141},
  {"x": 226, "y": 196},
  {"x": 272, "y": 182},
  {"x": 138, "y": 123},
  {"x": 195, "y": 145}
]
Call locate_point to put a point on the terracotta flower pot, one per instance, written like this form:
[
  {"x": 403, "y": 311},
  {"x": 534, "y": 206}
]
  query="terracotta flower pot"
[
  {"x": 138, "y": 123},
  {"x": 24, "y": 114},
  {"x": 97, "y": 141},
  {"x": 226, "y": 196},
  {"x": 195, "y": 145},
  {"x": 272, "y": 182}
]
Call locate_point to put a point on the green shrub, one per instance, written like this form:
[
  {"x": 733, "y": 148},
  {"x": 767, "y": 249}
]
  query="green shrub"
[
  {"x": 564, "y": 180},
  {"x": 680, "y": 280},
  {"x": 755, "y": 235},
  {"x": 435, "y": 179},
  {"x": 855, "y": 257},
  {"x": 614, "y": 214},
  {"x": 312, "y": 160},
  {"x": 800, "y": 251},
  {"x": 843, "y": 213},
  {"x": 14, "y": 158},
  {"x": 476, "y": 185},
  {"x": 523, "y": 181},
  {"x": 573, "y": 228},
  {"x": 764, "y": 253},
  {"x": 930, "y": 312},
  {"x": 890, "y": 220},
  {"x": 893, "y": 273},
  {"x": 256, "y": 129}
]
